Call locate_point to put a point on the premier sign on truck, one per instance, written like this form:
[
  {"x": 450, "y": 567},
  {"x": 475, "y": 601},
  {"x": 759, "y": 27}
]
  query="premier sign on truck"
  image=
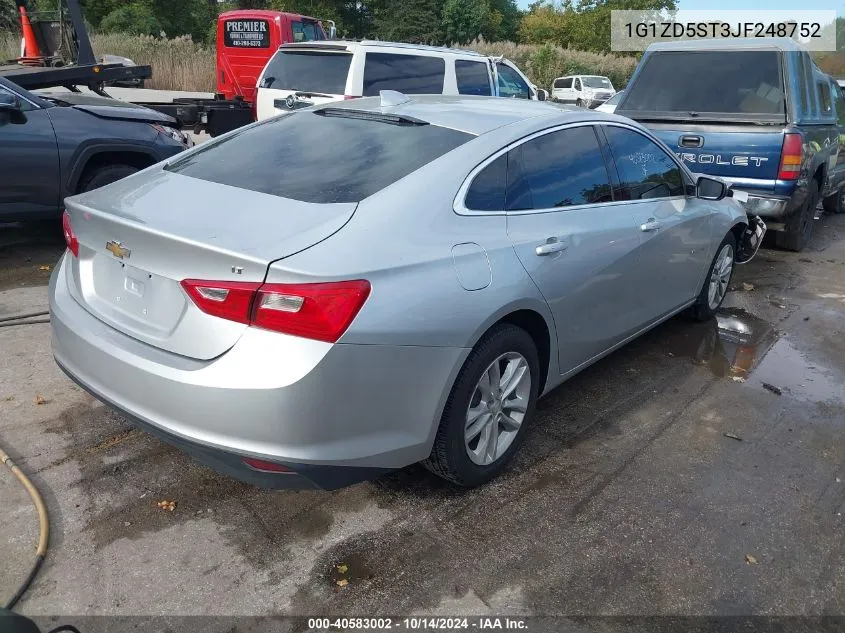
[{"x": 247, "y": 33}]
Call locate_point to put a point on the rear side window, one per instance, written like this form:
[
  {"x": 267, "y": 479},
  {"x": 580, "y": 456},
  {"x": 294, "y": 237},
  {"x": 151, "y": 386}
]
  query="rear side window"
[
  {"x": 308, "y": 71},
  {"x": 710, "y": 82},
  {"x": 473, "y": 78},
  {"x": 305, "y": 31},
  {"x": 558, "y": 169},
  {"x": 411, "y": 74},
  {"x": 563, "y": 83},
  {"x": 645, "y": 170},
  {"x": 296, "y": 156},
  {"x": 824, "y": 98},
  {"x": 487, "y": 191},
  {"x": 246, "y": 33}
]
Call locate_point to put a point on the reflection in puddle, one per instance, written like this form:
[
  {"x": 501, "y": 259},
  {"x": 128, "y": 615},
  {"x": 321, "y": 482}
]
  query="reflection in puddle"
[
  {"x": 738, "y": 344},
  {"x": 734, "y": 343}
]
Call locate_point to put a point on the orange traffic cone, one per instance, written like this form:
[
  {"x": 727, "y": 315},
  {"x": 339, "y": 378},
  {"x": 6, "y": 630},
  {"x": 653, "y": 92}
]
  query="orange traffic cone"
[{"x": 31, "y": 52}]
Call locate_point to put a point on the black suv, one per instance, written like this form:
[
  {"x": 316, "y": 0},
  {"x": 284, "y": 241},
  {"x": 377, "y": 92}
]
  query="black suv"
[{"x": 57, "y": 145}]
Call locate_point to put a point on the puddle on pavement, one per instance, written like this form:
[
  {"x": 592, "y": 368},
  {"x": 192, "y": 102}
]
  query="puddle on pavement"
[
  {"x": 739, "y": 345},
  {"x": 353, "y": 568}
]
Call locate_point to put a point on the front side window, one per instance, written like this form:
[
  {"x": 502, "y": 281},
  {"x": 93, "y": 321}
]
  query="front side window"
[
  {"x": 645, "y": 170},
  {"x": 410, "y": 74},
  {"x": 473, "y": 77},
  {"x": 559, "y": 169},
  {"x": 577, "y": 84},
  {"x": 839, "y": 104},
  {"x": 305, "y": 31},
  {"x": 511, "y": 84},
  {"x": 25, "y": 105}
]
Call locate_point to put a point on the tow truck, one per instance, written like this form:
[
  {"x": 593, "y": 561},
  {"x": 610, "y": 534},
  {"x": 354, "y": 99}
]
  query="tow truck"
[{"x": 57, "y": 52}]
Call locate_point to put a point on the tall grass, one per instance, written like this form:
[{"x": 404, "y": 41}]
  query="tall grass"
[{"x": 181, "y": 64}]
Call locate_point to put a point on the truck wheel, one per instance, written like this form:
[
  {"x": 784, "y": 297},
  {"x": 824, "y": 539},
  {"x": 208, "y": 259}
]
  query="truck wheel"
[
  {"x": 102, "y": 176},
  {"x": 799, "y": 226},
  {"x": 835, "y": 203},
  {"x": 717, "y": 281},
  {"x": 491, "y": 402},
  {"x": 579, "y": 103}
]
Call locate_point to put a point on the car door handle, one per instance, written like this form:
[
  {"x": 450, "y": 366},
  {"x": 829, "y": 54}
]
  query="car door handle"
[
  {"x": 552, "y": 245},
  {"x": 650, "y": 225}
]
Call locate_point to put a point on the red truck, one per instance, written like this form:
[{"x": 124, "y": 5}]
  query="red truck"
[{"x": 247, "y": 39}]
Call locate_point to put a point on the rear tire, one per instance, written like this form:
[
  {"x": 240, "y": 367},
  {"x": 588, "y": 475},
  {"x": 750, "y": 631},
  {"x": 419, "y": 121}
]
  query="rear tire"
[
  {"x": 835, "y": 203},
  {"x": 102, "y": 176},
  {"x": 718, "y": 279},
  {"x": 799, "y": 226},
  {"x": 477, "y": 436}
]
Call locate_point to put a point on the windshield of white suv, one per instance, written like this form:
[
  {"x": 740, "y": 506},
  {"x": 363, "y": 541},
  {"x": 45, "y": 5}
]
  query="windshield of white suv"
[{"x": 597, "y": 82}]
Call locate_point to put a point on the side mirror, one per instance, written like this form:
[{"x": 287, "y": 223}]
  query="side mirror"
[
  {"x": 710, "y": 188},
  {"x": 9, "y": 102},
  {"x": 332, "y": 33},
  {"x": 542, "y": 95}
]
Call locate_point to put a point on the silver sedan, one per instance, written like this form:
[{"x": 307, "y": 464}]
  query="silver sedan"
[{"x": 349, "y": 289}]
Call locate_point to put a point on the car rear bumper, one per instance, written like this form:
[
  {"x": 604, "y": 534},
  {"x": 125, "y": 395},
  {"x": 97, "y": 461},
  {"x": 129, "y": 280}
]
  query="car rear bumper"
[{"x": 333, "y": 414}]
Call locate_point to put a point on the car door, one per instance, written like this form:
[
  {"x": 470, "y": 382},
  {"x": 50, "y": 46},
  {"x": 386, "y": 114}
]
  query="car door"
[
  {"x": 510, "y": 84},
  {"x": 577, "y": 245},
  {"x": 675, "y": 229},
  {"x": 576, "y": 89},
  {"x": 30, "y": 178}
]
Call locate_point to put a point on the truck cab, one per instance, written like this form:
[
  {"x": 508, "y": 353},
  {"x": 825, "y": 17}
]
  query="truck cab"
[
  {"x": 756, "y": 113},
  {"x": 247, "y": 39}
]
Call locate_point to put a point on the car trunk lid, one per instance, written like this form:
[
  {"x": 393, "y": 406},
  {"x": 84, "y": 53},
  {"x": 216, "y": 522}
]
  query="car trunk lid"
[{"x": 140, "y": 237}]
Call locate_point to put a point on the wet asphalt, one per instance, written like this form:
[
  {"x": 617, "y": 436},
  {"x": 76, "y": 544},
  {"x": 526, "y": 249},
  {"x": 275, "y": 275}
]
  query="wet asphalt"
[{"x": 700, "y": 470}]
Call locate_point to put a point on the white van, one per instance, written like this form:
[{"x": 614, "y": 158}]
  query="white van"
[
  {"x": 305, "y": 74},
  {"x": 585, "y": 91}
]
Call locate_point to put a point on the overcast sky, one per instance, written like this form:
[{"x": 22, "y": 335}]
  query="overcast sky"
[{"x": 749, "y": 4}]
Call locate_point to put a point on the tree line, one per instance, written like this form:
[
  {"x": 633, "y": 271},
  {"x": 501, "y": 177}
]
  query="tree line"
[{"x": 580, "y": 24}]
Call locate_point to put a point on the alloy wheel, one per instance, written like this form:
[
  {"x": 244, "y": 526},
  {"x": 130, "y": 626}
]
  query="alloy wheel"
[
  {"x": 720, "y": 276},
  {"x": 497, "y": 408}
]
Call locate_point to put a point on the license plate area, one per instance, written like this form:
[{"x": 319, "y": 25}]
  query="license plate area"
[{"x": 136, "y": 298}]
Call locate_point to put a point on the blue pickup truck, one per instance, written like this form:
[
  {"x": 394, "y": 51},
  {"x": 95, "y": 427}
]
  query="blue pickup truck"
[{"x": 757, "y": 113}]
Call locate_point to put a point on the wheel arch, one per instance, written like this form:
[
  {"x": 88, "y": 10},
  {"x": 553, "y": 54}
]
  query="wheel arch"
[{"x": 96, "y": 156}]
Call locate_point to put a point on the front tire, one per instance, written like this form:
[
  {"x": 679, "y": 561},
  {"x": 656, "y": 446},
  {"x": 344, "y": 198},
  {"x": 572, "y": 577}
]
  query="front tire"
[
  {"x": 492, "y": 401},
  {"x": 835, "y": 203},
  {"x": 579, "y": 103},
  {"x": 717, "y": 281},
  {"x": 102, "y": 176}
]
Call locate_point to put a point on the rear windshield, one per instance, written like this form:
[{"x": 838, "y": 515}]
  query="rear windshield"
[
  {"x": 719, "y": 83},
  {"x": 308, "y": 71},
  {"x": 322, "y": 159}
]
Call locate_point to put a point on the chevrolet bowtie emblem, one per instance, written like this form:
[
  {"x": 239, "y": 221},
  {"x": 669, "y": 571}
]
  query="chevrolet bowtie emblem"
[{"x": 117, "y": 250}]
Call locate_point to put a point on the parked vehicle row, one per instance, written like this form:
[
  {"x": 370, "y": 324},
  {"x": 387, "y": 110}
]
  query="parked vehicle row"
[{"x": 302, "y": 75}]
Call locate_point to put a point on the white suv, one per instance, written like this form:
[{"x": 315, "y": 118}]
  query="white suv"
[
  {"x": 301, "y": 75},
  {"x": 585, "y": 91}
]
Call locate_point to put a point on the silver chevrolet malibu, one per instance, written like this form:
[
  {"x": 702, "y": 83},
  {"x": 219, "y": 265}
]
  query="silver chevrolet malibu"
[{"x": 348, "y": 289}]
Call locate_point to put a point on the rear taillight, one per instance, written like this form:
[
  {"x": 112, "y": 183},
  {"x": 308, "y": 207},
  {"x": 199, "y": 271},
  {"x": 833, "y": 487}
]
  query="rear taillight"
[
  {"x": 70, "y": 236},
  {"x": 231, "y": 300},
  {"x": 791, "y": 157},
  {"x": 321, "y": 311},
  {"x": 346, "y": 97}
]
